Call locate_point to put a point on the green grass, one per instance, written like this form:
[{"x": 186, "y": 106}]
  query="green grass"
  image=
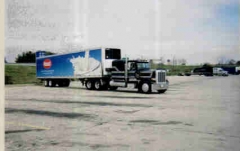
[{"x": 17, "y": 74}]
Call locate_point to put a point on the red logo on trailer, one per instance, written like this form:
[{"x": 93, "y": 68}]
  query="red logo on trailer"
[{"x": 47, "y": 63}]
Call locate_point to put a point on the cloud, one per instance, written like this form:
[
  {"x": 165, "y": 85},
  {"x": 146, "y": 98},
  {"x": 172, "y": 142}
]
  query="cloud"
[
  {"x": 192, "y": 27},
  {"x": 198, "y": 31}
]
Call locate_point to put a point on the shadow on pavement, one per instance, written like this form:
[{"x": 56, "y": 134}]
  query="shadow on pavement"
[
  {"x": 47, "y": 113},
  {"x": 84, "y": 103},
  {"x": 22, "y": 131}
]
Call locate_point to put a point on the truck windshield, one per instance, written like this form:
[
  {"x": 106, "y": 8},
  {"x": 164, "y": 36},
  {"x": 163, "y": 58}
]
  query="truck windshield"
[
  {"x": 143, "y": 65},
  {"x": 113, "y": 53}
]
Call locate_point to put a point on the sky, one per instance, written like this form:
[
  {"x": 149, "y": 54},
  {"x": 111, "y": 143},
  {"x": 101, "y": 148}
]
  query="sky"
[{"x": 196, "y": 30}]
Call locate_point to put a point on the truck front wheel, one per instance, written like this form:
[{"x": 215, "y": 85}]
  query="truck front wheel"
[
  {"x": 89, "y": 84},
  {"x": 145, "y": 87}
]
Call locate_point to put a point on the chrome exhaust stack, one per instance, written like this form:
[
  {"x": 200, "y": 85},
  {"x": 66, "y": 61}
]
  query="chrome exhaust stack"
[{"x": 126, "y": 72}]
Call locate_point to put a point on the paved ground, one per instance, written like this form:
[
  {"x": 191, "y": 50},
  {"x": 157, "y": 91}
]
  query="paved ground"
[{"x": 195, "y": 114}]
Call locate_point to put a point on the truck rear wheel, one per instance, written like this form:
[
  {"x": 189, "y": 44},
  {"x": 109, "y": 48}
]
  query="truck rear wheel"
[
  {"x": 145, "y": 87},
  {"x": 97, "y": 85},
  {"x": 89, "y": 85}
]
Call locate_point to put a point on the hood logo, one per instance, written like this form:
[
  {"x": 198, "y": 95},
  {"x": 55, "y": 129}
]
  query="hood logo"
[{"x": 47, "y": 63}]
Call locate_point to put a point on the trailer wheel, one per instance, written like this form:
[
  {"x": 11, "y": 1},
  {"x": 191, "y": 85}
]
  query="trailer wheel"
[
  {"x": 46, "y": 83},
  {"x": 51, "y": 83},
  {"x": 145, "y": 87},
  {"x": 89, "y": 85},
  {"x": 97, "y": 85},
  {"x": 162, "y": 91}
]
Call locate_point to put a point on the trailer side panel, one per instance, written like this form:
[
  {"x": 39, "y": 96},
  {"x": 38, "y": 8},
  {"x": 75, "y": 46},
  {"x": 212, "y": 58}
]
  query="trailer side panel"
[{"x": 73, "y": 65}]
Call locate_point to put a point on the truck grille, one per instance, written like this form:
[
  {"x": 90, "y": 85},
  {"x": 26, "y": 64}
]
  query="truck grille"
[{"x": 161, "y": 76}]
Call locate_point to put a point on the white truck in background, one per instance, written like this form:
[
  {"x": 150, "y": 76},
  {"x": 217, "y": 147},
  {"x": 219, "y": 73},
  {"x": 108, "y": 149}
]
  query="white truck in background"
[
  {"x": 99, "y": 69},
  {"x": 219, "y": 72}
]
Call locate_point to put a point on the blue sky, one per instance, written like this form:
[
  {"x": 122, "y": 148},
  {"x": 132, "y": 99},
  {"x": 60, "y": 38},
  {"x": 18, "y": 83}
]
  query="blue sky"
[
  {"x": 196, "y": 30},
  {"x": 228, "y": 16}
]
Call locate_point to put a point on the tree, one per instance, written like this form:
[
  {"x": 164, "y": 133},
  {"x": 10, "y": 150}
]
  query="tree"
[
  {"x": 207, "y": 65},
  {"x": 49, "y": 53},
  {"x": 231, "y": 62},
  {"x": 26, "y": 57},
  {"x": 182, "y": 61},
  {"x": 29, "y": 57},
  {"x": 221, "y": 60},
  {"x": 238, "y": 62}
]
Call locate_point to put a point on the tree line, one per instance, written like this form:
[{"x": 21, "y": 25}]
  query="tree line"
[{"x": 29, "y": 57}]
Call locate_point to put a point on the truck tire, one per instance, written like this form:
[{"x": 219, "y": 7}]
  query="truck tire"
[
  {"x": 89, "y": 85},
  {"x": 46, "y": 83},
  {"x": 97, "y": 85},
  {"x": 162, "y": 91},
  {"x": 51, "y": 83},
  {"x": 145, "y": 87}
]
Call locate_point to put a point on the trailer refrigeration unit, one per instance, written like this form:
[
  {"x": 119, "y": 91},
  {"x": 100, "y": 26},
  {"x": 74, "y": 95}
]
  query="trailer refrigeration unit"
[{"x": 99, "y": 69}]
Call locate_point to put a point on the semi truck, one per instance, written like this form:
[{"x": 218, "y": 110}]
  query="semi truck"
[
  {"x": 99, "y": 69},
  {"x": 210, "y": 71}
]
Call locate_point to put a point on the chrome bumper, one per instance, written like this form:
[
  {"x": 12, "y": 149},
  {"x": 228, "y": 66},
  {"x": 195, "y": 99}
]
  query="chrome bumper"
[{"x": 160, "y": 86}]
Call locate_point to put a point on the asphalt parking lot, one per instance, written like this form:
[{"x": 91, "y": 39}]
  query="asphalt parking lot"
[{"x": 196, "y": 114}]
